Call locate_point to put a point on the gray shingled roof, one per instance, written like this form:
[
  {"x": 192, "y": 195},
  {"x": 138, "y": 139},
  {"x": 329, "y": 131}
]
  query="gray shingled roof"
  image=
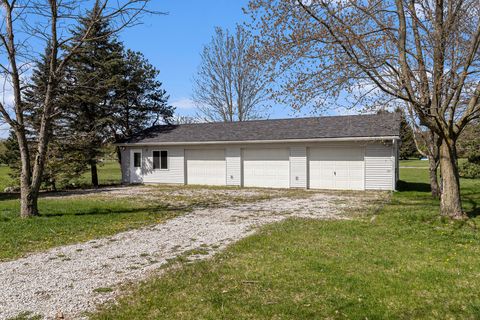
[{"x": 375, "y": 125}]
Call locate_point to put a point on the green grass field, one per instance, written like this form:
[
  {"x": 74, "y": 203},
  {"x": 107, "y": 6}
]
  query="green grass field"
[
  {"x": 5, "y": 180},
  {"x": 65, "y": 221},
  {"x": 108, "y": 173},
  {"x": 399, "y": 262},
  {"x": 415, "y": 163}
]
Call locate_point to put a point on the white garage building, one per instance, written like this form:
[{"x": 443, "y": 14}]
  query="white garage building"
[{"x": 343, "y": 152}]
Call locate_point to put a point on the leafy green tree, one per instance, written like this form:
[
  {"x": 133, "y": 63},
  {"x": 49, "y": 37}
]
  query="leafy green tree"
[
  {"x": 469, "y": 147},
  {"x": 2, "y": 147},
  {"x": 11, "y": 155}
]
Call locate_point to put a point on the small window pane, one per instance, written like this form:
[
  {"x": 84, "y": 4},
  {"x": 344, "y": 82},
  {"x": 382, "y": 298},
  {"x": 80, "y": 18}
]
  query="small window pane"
[
  {"x": 137, "y": 159},
  {"x": 156, "y": 160},
  {"x": 164, "y": 158}
]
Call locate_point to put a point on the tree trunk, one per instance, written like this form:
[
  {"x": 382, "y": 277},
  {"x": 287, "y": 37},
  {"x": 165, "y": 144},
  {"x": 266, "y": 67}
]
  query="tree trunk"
[
  {"x": 119, "y": 155},
  {"x": 450, "y": 202},
  {"x": 432, "y": 169},
  {"x": 28, "y": 200},
  {"x": 28, "y": 195},
  {"x": 93, "y": 170}
]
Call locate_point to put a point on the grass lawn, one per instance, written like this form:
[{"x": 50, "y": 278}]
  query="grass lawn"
[
  {"x": 399, "y": 262},
  {"x": 5, "y": 180},
  {"x": 65, "y": 221},
  {"x": 415, "y": 163},
  {"x": 108, "y": 173},
  {"x": 70, "y": 220}
]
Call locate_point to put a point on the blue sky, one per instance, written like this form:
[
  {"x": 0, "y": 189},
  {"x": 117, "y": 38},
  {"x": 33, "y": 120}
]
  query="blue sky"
[{"x": 173, "y": 43}]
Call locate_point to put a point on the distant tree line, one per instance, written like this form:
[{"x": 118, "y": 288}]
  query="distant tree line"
[{"x": 106, "y": 93}]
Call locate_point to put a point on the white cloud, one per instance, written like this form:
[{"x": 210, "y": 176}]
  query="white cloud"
[{"x": 184, "y": 104}]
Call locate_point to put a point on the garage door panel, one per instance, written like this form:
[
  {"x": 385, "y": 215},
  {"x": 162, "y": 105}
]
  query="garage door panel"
[
  {"x": 336, "y": 168},
  {"x": 206, "y": 167},
  {"x": 266, "y": 168}
]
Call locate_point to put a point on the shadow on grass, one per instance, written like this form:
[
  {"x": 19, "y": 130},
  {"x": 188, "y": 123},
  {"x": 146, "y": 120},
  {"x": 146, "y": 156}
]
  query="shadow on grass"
[
  {"x": 474, "y": 210},
  {"x": 107, "y": 211},
  {"x": 413, "y": 186},
  {"x": 4, "y": 196},
  {"x": 9, "y": 196}
]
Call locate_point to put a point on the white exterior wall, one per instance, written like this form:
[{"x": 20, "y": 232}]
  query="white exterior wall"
[
  {"x": 125, "y": 164},
  {"x": 298, "y": 167},
  {"x": 380, "y": 167},
  {"x": 176, "y": 166},
  {"x": 233, "y": 156},
  {"x": 381, "y": 172}
]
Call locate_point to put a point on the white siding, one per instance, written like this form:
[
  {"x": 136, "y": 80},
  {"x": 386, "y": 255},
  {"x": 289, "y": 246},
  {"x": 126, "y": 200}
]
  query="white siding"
[
  {"x": 174, "y": 173},
  {"x": 125, "y": 160},
  {"x": 379, "y": 167},
  {"x": 298, "y": 167},
  {"x": 380, "y": 163},
  {"x": 234, "y": 166}
]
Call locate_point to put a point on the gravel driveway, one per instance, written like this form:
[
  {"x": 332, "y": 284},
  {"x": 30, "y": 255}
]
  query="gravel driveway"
[{"x": 71, "y": 280}]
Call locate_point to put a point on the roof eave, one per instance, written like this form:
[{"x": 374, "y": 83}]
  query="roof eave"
[{"x": 379, "y": 138}]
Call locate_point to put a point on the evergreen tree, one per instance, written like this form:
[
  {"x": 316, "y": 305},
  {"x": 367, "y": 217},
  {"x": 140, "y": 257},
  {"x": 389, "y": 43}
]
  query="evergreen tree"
[
  {"x": 408, "y": 149},
  {"x": 107, "y": 93},
  {"x": 139, "y": 100},
  {"x": 11, "y": 155},
  {"x": 112, "y": 94},
  {"x": 92, "y": 77},
  {"x": 57, "y": 167}
]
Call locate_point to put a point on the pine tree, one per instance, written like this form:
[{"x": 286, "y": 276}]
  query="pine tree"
[
  {"x": 408, "y": 149},
  {"x": 92, "y": 76},
  {"x": 113, "y": 93},
  {"x": 139, "y": 100},
  {"x": 57, "y": 169}
]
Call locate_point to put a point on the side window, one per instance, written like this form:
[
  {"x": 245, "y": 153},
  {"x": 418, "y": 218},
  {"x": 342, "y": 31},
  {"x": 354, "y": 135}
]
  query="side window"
[
  {"x": 156, "y": 160},
  {"x": 137, "y": 159},
  {"x": 160, "y": 160},
  {"x": 164, "y": 160}
]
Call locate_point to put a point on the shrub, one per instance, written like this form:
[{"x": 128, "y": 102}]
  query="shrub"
[{"x": 469, "y": 170}]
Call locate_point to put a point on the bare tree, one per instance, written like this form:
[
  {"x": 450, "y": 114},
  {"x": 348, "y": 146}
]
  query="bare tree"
[
  {"x": 178, "y": 119},
  {"x": 230, "y": 85},
  {"x": 424, "y": 53},
  {"x": 26, "y": 26}
]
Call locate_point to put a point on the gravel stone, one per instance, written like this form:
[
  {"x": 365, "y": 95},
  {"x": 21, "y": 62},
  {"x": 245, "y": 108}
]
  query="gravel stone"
[{"x": 74, "y": 279}]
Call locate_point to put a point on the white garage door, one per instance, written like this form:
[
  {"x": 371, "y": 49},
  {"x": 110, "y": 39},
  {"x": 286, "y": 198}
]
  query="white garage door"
[
  {"x": 337, "y": 168},
  {"x": 268, "y": 168},
  {"x": 206, "y": 167}
]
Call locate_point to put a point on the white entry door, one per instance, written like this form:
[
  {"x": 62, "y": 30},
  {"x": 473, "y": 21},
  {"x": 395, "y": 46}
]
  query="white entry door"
[
  {"x": 269, "y": 168},
  {"x": 339, "y": 168},
  {"x": 206, "y": 167},
  {"x": 136, "y": 166}
]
